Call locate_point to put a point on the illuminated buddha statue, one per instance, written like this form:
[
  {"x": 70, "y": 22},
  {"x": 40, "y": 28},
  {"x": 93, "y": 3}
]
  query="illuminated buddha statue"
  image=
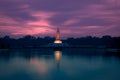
[{"x": 58, "y": 40}]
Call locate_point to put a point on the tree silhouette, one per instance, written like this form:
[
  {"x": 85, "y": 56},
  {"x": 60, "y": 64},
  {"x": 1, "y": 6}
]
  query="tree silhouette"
[{"x": 31, "y": 41}]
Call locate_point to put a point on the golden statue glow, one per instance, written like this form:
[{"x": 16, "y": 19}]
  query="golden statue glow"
[{"x": 58, "y": 40}]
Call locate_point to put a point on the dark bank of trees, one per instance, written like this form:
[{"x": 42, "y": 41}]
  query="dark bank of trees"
[{"x": 31, "y": 41}]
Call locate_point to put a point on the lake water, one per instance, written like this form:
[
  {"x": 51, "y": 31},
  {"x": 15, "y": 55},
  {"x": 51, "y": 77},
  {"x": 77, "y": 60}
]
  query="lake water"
[{"x": 65, "y": 64}]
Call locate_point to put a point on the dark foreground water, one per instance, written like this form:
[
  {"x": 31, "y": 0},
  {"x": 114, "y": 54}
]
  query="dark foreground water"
[{"x": 65, "y": 64}]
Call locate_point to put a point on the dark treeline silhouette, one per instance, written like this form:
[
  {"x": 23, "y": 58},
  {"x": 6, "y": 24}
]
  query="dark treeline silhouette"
[{"x": 31, "y": 41}]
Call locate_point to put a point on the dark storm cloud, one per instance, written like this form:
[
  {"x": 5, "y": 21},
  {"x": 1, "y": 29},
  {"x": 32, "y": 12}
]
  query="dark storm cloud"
[{"x": 37, "y": 17}]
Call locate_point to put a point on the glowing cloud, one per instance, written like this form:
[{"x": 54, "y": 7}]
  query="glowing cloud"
[{"x": 74, "y": 18}]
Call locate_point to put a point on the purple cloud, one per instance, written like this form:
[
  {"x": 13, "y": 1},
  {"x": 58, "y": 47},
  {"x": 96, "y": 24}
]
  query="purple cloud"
[{"x": 75, "y": 18}]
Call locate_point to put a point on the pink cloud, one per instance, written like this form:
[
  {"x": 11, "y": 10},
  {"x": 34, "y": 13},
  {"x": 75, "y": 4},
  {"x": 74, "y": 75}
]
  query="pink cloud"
[
  {"x": 33, "y": 31},
  {"x": 42, "y": 18},
  {"x": 41, "y": 26},
  {"x": 39, "y": 23},
  {"x": 71, "y": 21},
  {"x": 90, "y": 30},
  {"x": 26, "y": 18},
  {"x": 7, "y": 20},
  {"x": 42, "y": 14},
  {"x": 17, "y": 30},
  {"x": 112, "y": 1},
  {"x": 92, "y": 27},
  {"x": 25, "y": 6}
]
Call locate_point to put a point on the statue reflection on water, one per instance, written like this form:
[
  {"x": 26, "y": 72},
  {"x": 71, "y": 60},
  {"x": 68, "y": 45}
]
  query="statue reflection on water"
[{"x": 58, "y": 55}]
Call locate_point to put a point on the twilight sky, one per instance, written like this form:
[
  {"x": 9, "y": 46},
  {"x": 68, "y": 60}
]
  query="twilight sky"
[{"x": 75, "y": 18}]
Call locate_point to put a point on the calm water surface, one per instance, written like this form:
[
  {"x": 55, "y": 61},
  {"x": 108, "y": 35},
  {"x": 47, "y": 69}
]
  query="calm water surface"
[{"x": 65, "y": 64}]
